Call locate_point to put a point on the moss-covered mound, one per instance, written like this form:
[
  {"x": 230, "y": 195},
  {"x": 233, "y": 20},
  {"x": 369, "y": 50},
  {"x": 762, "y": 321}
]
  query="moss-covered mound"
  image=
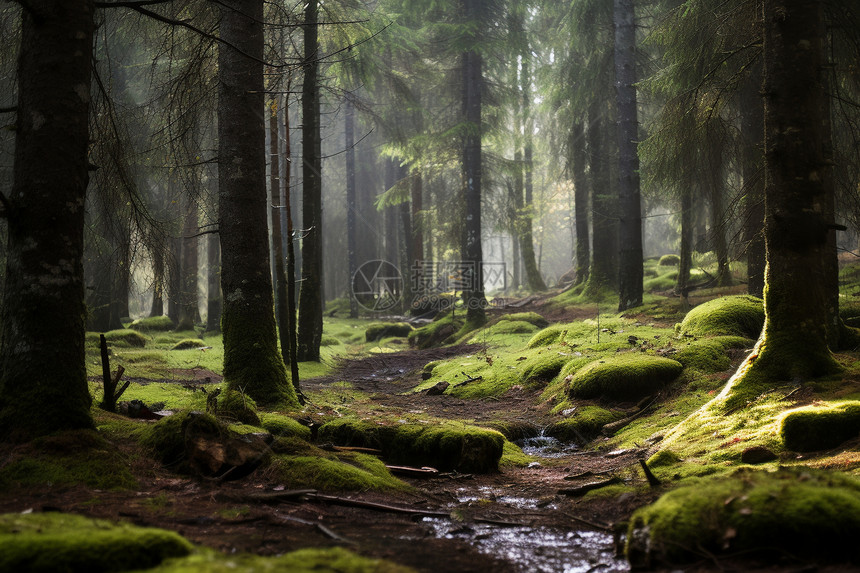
[
  {"x": 710, "y": 355},
  {"x": 67, "y": 458},
  {"x": 380, "y": 330},
  {"x": 543, "y": 367},
  {"x": 813, "y": 428},
  {"x": 329, "y": 340},
  {"x": 797, "y": 512},
  {"x": 167, "y": 437},
  {"x": 442, "y": 446},
  {"x": 740, "y": 315},
  {"x": 316, "y": 560},
  {"x": 509, "y": 327},
  {"x": 188, "y": 344},
  {"x": 51, "y": 542},
  {"x": 583, "y": 425},
  {"x": 530, "y": 317},
  {"x": 320, "y": 470},
  {"x": 442, "y": 330},
  {"x": 153, "y": 323},
  {"x": 627, "y": 376},
  {"x": 284, "y": 426},
  {"x": 125, "y": 338},
  {"x": 238, "y": 406},
  {"x": 669, "y": 261}
]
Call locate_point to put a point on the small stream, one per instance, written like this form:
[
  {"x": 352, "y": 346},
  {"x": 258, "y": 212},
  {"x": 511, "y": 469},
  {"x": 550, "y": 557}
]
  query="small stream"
[{"x": 543, "y": 446}]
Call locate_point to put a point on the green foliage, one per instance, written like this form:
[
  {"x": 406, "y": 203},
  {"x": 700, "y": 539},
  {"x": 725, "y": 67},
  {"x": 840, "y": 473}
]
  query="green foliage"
[
  {"x": 530, "y": 317},
  {"x": 585, "y": 424},
  {"x": 740, "y": 315},
  {"x": 152, "y": 324},
  {"x": 626, "y": 376},
  {"x": 67, "y": 458},
  {"x": 709, "y": 354},
  {"x": 125, "y": 338},
  {"x": 802, "y": 512},
  {"x": 669, "y": 261},
  {"x": 238, "y": 406},
  {"x": 337, "y": 306},
  {"x": 188, "y": 344},
  {"x": 51, "y": 542},
  {"x": 443, "y": 445},
  {"x": 813, "y": 428},
  {"x": 379, "y": 330}
]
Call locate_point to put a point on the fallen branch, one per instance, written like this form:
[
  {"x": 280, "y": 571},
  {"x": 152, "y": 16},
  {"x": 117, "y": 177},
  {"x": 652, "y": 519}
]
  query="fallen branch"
[
  {"x": 414, "y": 472},
  {"x": 322, "y": 528},
  {"x": 376, "y": 506},
  {"x": 653, "y": 481},
  {"x": 468, "y": 379},
  {"x": 268, "y": 497},
  {"x": 611, "y": 428}
]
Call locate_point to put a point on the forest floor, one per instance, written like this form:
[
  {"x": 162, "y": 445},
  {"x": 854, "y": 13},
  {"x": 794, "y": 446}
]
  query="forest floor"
[{"x": 522, "y": 518}]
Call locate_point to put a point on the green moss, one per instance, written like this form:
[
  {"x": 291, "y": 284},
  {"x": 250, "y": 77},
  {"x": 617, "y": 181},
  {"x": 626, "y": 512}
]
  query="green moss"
[
  {"x": 513, "y": 456},
  {"x": 562, "y": 333},
  {"x": 284, "y": 426},
  {"x": 661, "y": 282},
  {"x": 67, "y": 458},
  {"x": 353, "y": 472},
  {"x": 316, "y": 560},
  {"x": 585, "y": 423},
  {"x": 626, "y": 376},
  {"x": 663, "y": 458},
  {"x": 543, "y": 367},
  {"x": 167, "y": 437},
  {"x": 709, "y": 355},
  {"x": 740, "y": 315},
  {"x": 438, "y": 332},
  {"x": 379, "y": 330},
  {"x": 669, "y": 261},
  {"x": 188, "y": 344},
  {"x": 813, "y": 428},
  {"x": 800, "y": 512},
  {"x": 238, "y": 406},
  {"x": 328, "y": 340},
  {"x": 445, "y": 446},
  {"x": 51, "y": 542},
  {"x": 153, "y": 323},
  {"x": 337, "y": 306},
  {"x": 125, "y": 338},
  {"x": 530, "y": 317},
  {"x": 510, "y": 327}
]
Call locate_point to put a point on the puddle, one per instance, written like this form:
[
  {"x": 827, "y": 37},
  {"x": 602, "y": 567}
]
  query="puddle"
[
  {"x": 544, "y": 550},
  {"x": 542, "y": 446},
  {"x": 495, "y": 495}
]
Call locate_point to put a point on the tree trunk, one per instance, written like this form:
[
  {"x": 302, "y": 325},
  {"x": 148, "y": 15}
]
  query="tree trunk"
[
  {"x": 349, "y": 144},
  {"x": 287, "y": 220},
  {"x": 213, "y": 278},
  {"x": 157, "y": 308},
  {"x": 188, "y": 307},
  {"x": 533, "y": 276},
  {"x": 43, "y": 378},
  {"x": 281, "y": 309},
  {"x": 682, "y": 286},
  {"x": 714, "y": 183},
  {"x": 752, "y": 132},
  {"x": 793, "y": 344},
  {"x": 604, "y": 269},
  {"x": 252, "y": 362},
  {"x": 472, "y": 253},
  {"x": 311, "y": 294},
  {"x": 580, "y": 200},
  {"x": 629, "y": 203},
  {"x": 174, "y": 281}
]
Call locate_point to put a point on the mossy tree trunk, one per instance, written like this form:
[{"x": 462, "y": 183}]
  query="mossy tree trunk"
[
  {"x": 43, "y": 384},
  {"x": 532, "y": 270},
  {"x": 577, "y": 163},
  {"x": 472, "y": 86},
  {"x": 349, "y": 146},
  {"x": 793, "y": 344},
  {"x": 603, "y": 272},
  {"x": 252, "y": 362},
  {"x": 188, "y": 307},
  {"x": 311, "y": 293},
  {"x": 630, "y": 263},
  {"x": 213, "y": 279},
  {"x": 752, "y": 132},
  {"x": 157, "y": 307},
  {"x": 282, "y": 312}
]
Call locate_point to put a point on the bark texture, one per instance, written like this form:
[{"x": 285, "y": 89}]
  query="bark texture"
[
  {"x": 252, "y": 361},
  {"x": 43, "y": 384}
]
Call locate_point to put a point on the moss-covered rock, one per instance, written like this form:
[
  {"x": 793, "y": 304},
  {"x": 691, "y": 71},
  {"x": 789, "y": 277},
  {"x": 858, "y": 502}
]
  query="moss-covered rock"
[
  {"x": 345, "y": 472},
  {"x": 72, "y": 457},
  {"x": 167, "y": 437},
  {"x": 585, "y": 423},
  {"x": 813, "y": 428},
  {"x": 627, "y": 376},
  {"x": 740, "y": 315},
  {"x": 508, "y": 327},
  {"x": 380, "y": 330},
  {"x": 284, "y": 426},
  {"x": 125, "y": 338},
  {"x": 153, "y": 324},
  {"x": 52, "y": 542},
  {"x": 669, "y": 261},
  {"x": 443, "y": 446},
  {"x": 441, "y": 331},
  {"x": 188, "y": 344},
  {"x": 530, "y": 317},
  {"x": 238, "y": 406},
  {"x": 548, "y": 336},
  {"x": 798, "y": 512},
  {"x": 543, "y": 367},
  {"x": 328, "y": 340},
  {"x": 316, "y": 560},
  {"x": 710, "y": 355}
]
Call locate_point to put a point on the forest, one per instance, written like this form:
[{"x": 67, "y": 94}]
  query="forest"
[{"x": 457, "y": 285}]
